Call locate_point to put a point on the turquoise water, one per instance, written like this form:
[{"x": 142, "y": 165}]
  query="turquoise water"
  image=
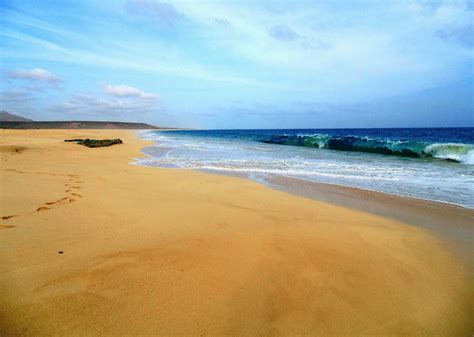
[{"x": 432, "y": 164}]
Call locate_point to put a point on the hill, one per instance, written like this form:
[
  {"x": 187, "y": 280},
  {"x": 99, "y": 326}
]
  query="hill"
[
  {"x": 9, "y": 117},
  {"x": 74, "y": 125}
]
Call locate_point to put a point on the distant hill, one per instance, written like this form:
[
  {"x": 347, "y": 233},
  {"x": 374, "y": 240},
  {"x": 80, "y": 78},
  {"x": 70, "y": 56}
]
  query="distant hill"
[
  {"x": 8, "y": 117},
  {"x": 74, "y": 125}
]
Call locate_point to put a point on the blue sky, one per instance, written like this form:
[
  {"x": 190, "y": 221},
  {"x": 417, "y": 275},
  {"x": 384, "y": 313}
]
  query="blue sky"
[{"x": 240, "y": 64}]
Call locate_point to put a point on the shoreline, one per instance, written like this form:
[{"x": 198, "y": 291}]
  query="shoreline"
[
  {"x": 388, "y": 194},
  {"x": 451, "y": 222},
  {"x": 91, "y": 245},
  {"x": 419, "y": 178}
]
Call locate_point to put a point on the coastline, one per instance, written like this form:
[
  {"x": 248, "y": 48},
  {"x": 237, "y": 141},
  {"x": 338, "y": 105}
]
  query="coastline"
[
  {"x": 165, "y": 251},
  {"x": 439, "y": 171},
  {"x": 451, "y": 222}
]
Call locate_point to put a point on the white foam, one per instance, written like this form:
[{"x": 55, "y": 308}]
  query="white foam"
[{"x": 421, "y": 178}]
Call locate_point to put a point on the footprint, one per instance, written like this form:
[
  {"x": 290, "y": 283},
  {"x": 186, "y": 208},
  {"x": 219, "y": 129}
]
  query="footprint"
[
  {"x": 3, "y": 226},
  {"x": 73, "y": 179},
  {"x": 222, "y": 225}
]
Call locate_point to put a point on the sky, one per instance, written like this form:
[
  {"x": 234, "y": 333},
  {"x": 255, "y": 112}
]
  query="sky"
[{"x": 240, "y": 64}]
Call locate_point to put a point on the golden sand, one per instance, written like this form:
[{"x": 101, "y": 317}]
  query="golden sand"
[{"x": 148, "y": 251}]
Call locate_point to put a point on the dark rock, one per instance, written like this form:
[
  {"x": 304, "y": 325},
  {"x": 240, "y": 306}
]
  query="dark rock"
[{"x": 95, "y": 142}]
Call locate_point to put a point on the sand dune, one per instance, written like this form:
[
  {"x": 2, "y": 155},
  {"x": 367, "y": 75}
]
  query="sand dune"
[{"x": 147, "y": 251}]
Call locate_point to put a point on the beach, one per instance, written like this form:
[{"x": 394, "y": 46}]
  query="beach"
[{"x": 92, "y": 245}]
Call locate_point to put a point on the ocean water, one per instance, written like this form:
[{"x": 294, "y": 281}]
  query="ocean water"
[{"x": 428, "y": 163}]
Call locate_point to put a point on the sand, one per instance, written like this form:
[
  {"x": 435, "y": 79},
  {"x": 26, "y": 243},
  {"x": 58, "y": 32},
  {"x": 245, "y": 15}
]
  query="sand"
[
  {"x": 148, "y": 251},
  {"x": 452, "y": 223}
]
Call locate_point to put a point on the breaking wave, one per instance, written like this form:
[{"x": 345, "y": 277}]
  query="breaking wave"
[{"x": 455, "y": 152}]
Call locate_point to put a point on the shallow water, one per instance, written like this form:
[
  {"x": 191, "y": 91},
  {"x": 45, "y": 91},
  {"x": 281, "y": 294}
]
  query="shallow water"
[{"x": 262, "y": 153}]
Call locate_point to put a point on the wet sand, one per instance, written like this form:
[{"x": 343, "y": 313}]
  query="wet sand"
[
  {"x": 454, "y": 224},
  {"x": 91, "y": 245}
]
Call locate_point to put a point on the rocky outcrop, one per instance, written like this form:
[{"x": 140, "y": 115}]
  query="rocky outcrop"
[{"x": 95, "y": 142}]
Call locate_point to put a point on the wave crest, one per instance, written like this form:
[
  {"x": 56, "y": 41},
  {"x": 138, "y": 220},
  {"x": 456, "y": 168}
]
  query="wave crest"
[
  {"x": 457, "y": 152},
  {"x": 462, "y": 153}
]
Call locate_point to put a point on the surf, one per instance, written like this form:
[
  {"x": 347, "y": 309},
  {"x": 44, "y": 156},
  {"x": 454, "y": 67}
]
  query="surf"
[{"x": 454, "y": 152}]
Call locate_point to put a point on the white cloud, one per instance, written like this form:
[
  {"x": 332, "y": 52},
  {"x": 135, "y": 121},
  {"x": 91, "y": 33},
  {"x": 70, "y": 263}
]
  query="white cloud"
[
  {"x": 127, "y": 91},
  {"x": 35, "y": 74},
  {"x": 125, "y": 101}
]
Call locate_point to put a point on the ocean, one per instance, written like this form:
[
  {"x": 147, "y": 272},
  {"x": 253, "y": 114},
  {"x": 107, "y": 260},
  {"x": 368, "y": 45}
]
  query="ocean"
[{"x": 428, "y": 163}]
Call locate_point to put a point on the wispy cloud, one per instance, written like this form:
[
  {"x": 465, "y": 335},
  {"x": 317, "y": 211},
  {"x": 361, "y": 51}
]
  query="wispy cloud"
[
  {"x": 127, "y": 91},
  {"x": 461, "y": 35},
  {"x": 90, "y": 105},
  {"x": 283, "y": 33},
  {"x": 14, "y": 96},
  {"x": 127, "y": 53},
  {"x": 121, "y": 100},
  {"x": 161, "y": 11},
  {"x": 35, "y": 74},
  {"x": 201, "y": 55}
]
